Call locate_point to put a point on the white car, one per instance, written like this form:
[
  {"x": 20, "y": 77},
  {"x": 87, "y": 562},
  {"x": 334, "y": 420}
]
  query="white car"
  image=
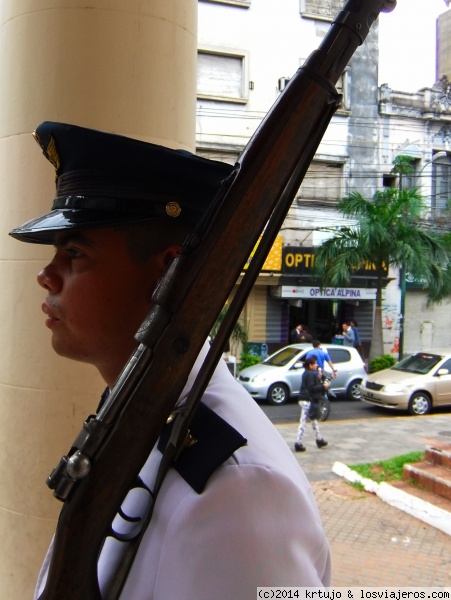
[{"x": 278, "y": 377}]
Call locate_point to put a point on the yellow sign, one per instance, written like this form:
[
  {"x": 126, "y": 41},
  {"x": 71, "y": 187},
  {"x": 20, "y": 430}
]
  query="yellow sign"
[{"x": 273, "y": 261}]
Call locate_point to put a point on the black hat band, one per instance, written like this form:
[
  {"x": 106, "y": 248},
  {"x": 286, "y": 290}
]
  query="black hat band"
[{"x": 123, "y": 186}]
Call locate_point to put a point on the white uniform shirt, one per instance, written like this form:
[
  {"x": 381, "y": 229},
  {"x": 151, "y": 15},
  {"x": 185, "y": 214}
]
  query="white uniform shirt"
[{"x": 255, "y": 524}]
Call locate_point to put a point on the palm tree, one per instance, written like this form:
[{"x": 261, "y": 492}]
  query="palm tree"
[{"x": 386, "y": 233}]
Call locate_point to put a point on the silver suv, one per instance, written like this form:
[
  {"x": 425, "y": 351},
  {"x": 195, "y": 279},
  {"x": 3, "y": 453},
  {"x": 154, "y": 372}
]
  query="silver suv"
[{"x": 278, "y": 377}]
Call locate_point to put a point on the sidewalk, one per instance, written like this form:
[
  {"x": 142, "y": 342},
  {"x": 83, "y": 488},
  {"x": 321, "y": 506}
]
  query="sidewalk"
[{"x": 373, "y": 543}]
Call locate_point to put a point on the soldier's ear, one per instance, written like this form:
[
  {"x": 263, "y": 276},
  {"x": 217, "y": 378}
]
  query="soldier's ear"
[
  {"x": 163, "y": 258},
  {"x": 170, "y": 253}
]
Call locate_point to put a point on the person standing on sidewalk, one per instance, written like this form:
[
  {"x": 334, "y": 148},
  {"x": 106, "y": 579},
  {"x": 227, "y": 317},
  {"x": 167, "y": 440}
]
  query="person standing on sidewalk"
[
  {"x": 311, "y": 394},
  {"x": 349, "y": 336},
  {"x": 357, "y": 341}
]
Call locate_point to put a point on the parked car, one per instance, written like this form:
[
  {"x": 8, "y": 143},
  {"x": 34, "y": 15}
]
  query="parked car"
[
  {"x": 416, "y": 384},
  {"x": 278, "y": 377}
]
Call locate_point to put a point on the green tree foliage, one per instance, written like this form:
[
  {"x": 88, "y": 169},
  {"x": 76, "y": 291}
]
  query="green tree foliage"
[
  {"x": 387, "y": 232},
  {"x": 239, "y": 334}
]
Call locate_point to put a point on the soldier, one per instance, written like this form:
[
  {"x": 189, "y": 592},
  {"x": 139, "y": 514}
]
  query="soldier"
[{"x": 237, "y": 512}]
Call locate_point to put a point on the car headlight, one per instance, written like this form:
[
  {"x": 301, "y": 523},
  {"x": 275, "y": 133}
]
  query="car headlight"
[{"x": 394, "y": 388}]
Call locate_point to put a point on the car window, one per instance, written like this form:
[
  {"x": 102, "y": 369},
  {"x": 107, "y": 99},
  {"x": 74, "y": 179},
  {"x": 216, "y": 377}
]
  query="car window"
[
  {"x": 281, "y": 358},
  {"x": 339, "y": 355},
  {"x": 420, "y": 363},
  {"x": 447, "y": 365}
]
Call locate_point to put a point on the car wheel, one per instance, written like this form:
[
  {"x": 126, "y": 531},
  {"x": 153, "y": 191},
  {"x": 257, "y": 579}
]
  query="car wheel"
[
  {"x": 324, "y": 409},
  {"x": 420, "y": 404},
  {"x": 277, "y": 394},
  {"x": 353, "y": 390}
]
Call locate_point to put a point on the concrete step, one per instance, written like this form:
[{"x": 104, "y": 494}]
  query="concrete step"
[
  {"x": 439, "y": 454},
  {"x": 423, "y": 494},
  {"x": 435, "y": 478}
]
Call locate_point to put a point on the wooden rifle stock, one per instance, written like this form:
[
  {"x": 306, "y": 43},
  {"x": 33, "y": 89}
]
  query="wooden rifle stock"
[{"x": 113, "y": 446}]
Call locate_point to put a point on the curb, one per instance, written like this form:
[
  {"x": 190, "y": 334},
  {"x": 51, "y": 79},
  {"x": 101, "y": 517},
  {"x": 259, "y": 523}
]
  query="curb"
[{"x": 425, "y": 511}]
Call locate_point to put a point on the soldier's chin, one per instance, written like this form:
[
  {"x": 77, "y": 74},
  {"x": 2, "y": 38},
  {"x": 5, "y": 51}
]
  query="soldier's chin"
[{"x": 66, "y": 350}]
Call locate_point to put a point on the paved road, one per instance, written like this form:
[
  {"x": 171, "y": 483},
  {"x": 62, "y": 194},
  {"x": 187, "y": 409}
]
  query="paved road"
[{"x": 341, "y": 410}]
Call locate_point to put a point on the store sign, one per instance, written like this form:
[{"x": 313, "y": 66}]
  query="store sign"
[
  {"x": 298, "y": 260},
  {"x": 273, "y": 261},
  {"x": 327, "y": 293}
]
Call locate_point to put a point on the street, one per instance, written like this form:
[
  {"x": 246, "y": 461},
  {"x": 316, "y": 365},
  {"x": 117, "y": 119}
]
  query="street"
[{"x": 341, "y": 409}]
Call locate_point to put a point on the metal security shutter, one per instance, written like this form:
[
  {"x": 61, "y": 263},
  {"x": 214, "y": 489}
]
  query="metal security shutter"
[
  {"x": 257, "y": 331},
  {"x": 364, "y": 315},
  {"x": 274, "y": 319}
]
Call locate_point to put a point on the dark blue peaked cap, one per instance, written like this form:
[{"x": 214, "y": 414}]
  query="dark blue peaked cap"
[{"x": 103, "y": 179}]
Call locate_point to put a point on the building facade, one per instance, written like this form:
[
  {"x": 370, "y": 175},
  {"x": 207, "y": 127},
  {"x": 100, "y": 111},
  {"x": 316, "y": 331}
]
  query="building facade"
[
  {"x": 419, "y": 125},
  {"x": 247, "y": 52}
]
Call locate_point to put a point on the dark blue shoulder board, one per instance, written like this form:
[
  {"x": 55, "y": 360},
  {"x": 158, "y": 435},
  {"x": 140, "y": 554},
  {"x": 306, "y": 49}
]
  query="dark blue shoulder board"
[{"x": 215, "y": 442}]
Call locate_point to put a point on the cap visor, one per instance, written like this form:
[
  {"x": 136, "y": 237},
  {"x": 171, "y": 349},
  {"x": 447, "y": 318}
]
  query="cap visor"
[{"x": 43, "y": 229}]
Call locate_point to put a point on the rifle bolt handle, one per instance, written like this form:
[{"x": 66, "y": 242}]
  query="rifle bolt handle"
[{"x": 78, "y": 465}]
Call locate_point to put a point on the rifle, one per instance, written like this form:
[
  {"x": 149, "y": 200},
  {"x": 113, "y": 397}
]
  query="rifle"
[{"x": 112, "y": 447}]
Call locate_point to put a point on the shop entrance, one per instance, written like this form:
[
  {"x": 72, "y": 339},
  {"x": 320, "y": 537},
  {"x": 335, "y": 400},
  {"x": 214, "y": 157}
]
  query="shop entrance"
[
  {"x": 316, "y": 316},
  {"x": 324, "y": 318}
]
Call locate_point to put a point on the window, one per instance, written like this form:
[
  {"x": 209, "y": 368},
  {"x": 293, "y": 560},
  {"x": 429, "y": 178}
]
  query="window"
[
  {"x": 339, "y": 355},
  {"x": 320, "y": 9},
  {"x": 410, "y": 180},
  {"x": 441, "y": 184},
  {"x": 341, "y": 86},
  {"x": 222, "y": 76},
  {"x": 389, "y": 180},
  {"x": 322, "y": 182},
  {"x": 446, "y": 365}
]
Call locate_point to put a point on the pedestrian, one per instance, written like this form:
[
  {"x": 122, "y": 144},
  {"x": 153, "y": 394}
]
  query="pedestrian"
[
  {"x": 357, "y": 341},
  {"x": 349, "y": 337},
  {"x": 310, "y": 397},
  {"x": 299, "y": 335},
  {"x": 322, "y": 356},
  {"x": 229, "y": 520}
]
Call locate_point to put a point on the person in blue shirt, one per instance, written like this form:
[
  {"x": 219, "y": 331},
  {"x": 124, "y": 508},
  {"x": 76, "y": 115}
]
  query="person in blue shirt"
[{"x": 321, "y": 356}]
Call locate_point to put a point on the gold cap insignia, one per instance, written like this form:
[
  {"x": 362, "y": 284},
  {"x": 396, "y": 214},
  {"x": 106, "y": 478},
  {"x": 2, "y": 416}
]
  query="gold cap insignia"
[
  {"x": 173, "y": 209},
  {"x": 50, "y": 152}
]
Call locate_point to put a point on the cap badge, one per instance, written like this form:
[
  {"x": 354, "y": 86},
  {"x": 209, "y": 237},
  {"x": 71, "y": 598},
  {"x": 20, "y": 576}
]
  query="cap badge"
[
  {"x": 173, "y": 209},
  {"x": 50, "y": 152}
]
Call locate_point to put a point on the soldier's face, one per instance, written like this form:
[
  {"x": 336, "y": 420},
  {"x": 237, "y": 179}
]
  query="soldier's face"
[{"x": 97, "y": 297}]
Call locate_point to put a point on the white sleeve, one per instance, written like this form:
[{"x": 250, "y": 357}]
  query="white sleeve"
[{"x": 251, "y": 527}]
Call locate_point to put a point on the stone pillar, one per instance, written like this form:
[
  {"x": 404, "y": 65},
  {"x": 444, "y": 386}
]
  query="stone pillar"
[{"x": 124, "y": 66}]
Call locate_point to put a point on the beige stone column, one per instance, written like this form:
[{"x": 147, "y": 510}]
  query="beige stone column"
[{"x": 124, "y": 66}]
